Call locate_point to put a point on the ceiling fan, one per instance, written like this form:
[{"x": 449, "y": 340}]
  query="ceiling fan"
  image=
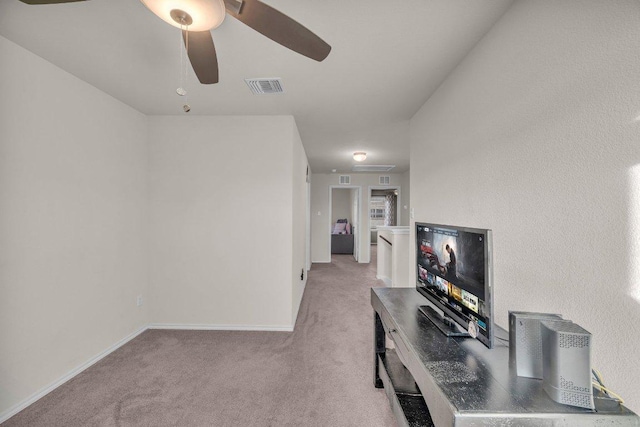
[{"x": 197, "y": 18}]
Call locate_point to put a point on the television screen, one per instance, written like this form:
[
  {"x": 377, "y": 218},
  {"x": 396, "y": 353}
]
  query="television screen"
[{"x": 454, "y": 272}]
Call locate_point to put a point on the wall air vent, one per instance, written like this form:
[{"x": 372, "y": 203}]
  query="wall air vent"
[
  {"x": 345, "y": 179},
  {"x": 384, "y": 180},
  {"x": 372, "y": 168},
  {"x": 264, "y": 86}
]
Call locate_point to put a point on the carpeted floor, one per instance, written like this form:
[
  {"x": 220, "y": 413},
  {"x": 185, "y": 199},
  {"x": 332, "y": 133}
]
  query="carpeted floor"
[{"x": 318, "y": 375}]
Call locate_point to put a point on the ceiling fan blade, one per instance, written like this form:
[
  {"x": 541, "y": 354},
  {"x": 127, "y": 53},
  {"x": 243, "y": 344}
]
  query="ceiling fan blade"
[
  {"x": 48, "y": 1},
  {"x": 278, "y": 27},
  {"x": 202, "y": 55}
]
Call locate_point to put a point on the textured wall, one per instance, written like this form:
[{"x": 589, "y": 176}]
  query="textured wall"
[{"x": 535, "y": 135}]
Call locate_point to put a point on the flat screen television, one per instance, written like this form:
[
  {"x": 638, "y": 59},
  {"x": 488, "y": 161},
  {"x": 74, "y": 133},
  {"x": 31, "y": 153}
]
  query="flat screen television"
[{"x": 454, "y": 272}]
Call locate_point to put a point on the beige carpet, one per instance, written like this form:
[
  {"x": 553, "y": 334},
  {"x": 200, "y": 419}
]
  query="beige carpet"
[{"x": 319, "y": 375}]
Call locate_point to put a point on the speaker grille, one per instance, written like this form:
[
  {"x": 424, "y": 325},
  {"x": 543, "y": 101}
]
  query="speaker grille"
[
  {"x": 566, "y": 384},
  {"x": 575, "y": 399},
  {"x": 573, "y": 341}
]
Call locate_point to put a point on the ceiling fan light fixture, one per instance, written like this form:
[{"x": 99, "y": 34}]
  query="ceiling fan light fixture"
[
  {"x": 359, "y": 156},
  {"x": 205, "y": 14}
]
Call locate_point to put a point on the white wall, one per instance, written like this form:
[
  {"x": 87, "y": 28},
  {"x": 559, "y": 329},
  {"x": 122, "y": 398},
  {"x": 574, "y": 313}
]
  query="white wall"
[
  {"x": 535, "y": 135},
  {"x": 204, "y": 217},
  {"x": 299, "y": 221},
  {"x": 221, "y": 220},
  {"x": 353, "y": 207},
  {"x": 341, "y": 204},
  {"x": 73, "y": 231},
  {"x": 354, "y": 201},
  {"x": 405, "y": 208},
  {"x": 320, "y": 215}
]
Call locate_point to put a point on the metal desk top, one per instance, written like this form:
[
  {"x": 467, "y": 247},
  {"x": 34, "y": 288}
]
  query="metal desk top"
[{"x": 466, "y": 384}]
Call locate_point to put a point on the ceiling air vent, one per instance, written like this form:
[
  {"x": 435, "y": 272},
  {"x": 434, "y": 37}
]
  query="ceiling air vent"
[
  {"x": 262, "y": 86},
  {"x": 372, "y": 168},
  {"x": 345, "y": 179},
  {"x": 385, "y": 180},
  {"x": 234, "y": 6}
]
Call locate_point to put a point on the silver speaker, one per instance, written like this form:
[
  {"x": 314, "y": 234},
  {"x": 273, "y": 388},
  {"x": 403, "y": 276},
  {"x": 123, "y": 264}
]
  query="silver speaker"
[
  {"x": 566, "y": 360},
  {"x": 525, "y": 342}
]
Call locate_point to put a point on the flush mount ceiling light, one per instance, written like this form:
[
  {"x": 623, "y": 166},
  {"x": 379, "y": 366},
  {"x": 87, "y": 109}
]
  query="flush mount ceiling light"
[
  {"x": 198, "y": 15},
  {"x": 359, "y": 156}
]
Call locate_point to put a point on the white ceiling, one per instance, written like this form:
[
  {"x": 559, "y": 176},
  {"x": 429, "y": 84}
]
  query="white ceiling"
[{"x": 387, "y": 57}]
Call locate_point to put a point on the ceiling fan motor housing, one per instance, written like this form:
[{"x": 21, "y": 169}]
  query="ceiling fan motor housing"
[{"x": 204, "y": 15}]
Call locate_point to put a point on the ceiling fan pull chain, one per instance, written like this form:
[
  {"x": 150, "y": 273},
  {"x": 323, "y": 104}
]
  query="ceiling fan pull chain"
[
  {"x": 186, "y": 53},
  {"x": 186, "y": 108},
  {"x": 181, "y": 82}
]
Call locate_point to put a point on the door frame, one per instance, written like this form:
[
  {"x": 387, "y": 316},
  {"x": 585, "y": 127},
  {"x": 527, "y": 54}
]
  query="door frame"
[{"x": 398, "y": 205}]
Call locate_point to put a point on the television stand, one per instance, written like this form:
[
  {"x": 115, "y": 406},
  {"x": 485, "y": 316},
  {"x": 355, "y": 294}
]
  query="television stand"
[
  {"x": 435, "y": 380},
  {"x": 446, "y": 325}
]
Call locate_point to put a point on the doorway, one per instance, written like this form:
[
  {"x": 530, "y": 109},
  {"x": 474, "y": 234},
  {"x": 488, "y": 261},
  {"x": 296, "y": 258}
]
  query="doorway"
[
  {"x": 383, "y": 210},
  {"x": 344, "y": 205}
]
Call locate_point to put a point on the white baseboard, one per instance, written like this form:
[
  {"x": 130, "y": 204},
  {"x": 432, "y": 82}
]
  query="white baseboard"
[
  {"x": 206, "y": 327},
  {"x": 69, "y": 375}
]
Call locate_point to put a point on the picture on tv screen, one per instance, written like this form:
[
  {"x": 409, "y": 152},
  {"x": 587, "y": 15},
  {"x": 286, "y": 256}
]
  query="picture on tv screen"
[{"x": 451, "y": 270}]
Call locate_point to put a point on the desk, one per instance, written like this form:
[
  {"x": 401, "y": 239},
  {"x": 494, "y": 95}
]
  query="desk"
[{"x": 458, "y": 381}]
